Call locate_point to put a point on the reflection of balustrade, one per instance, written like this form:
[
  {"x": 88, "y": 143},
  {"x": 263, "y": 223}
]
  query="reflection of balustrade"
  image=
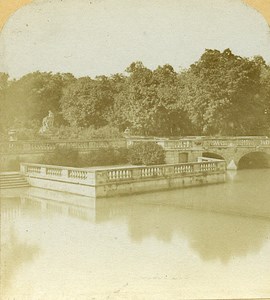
[{"x": 54, "y": 205}]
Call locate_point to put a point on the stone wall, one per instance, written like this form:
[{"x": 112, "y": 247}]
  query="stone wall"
[
  {"x": 114, "y": 181},
  {"x": 232, "y": 149}
]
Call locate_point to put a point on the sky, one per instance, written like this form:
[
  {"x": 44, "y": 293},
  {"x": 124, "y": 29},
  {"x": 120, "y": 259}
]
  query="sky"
[{"x": 103, "y": 37}]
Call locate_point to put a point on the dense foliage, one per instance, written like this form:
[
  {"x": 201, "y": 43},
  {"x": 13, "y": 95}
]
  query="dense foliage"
[
  {"x": 146, "y": 153},
  {"x": 62, "y": 156},
  {"x": 221, "y": 94},
  {"x": 70, "y": 157}
]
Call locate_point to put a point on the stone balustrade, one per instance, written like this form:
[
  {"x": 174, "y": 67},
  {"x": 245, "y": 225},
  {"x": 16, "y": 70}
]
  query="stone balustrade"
[
  {"x": 66, "y": 174},
  {"x": 265, "y": 142},
  {"x": 194, "y": 143},
  {"x": 100, "y": 182},
  {"x": 115, "y": 174},
  {"x": 237, "y": 142},
  {"x": 159, "y": 171},
  {"x": 49, "y": 146}
]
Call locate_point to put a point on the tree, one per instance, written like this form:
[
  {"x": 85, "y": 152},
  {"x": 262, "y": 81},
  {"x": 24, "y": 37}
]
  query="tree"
[
  {"x": 32, "y": 96},
  {"x": 148, "y": 102},
  {"x": 4, "y": 108},
  {"x": 222, "y": 94},
  {"x": 172, "y": 119},
  {"x": 134, "y": 105},
  {"x": 265, "y": 95},
  {"x": 147, "y": 153},
  {"x": 87, "y": 102}
]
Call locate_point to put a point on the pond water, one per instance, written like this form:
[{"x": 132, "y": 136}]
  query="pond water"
[{"x": 206, "y": 242}]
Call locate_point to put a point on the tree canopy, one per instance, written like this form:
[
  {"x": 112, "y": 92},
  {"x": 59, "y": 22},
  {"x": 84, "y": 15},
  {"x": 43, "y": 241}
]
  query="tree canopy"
[{"x": 220, "y": 94}]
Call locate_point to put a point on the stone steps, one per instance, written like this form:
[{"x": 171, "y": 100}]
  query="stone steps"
[{"x": 10, "y": 180}]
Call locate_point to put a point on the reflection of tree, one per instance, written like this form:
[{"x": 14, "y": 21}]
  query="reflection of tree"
[
  {"x": 14, "y": 254},
  {"x": 212, "y": 235},
  {"x": 223, "y": 237}
]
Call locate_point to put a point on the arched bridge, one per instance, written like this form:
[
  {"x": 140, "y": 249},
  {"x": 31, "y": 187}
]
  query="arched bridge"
[{"x": 232, "y": 149}]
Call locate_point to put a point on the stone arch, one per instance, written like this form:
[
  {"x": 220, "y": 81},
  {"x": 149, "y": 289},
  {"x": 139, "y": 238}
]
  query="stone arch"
[
  {"x": 224, "y": 155},
  {"x": 233, "y": 155},
  {"x": 213, "y": 155},
  {"x": 254, "y": 159}
]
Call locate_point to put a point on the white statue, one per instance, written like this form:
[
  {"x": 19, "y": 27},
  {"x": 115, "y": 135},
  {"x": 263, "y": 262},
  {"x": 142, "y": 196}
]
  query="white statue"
[
  {"x": 47, "y": 123},
  {"x": 127, "y": 132}
]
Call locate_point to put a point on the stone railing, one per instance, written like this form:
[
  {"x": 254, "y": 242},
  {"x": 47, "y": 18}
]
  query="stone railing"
[
  {"x": 49, "y": 146},
  {"x": 194, "y": 143},
  {"x": 66, "y": 174},
  {"x": 237, "y": 142},
  {"x": 121, "y": 174},
  {"x": 200, "y": 143},
  {"x": 208, "y": 166},
  {"x": 103, "y": 182}
]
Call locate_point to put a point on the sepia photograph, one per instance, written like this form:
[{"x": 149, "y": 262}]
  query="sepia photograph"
[{"x": 135, "y": 149}]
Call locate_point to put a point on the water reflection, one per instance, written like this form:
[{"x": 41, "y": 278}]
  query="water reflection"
[
  {"x": 14, "y": 252},
  {"x": 38, "y": 201},
  {"x": 186, "y": 229},
  {"x": 219, "y": 222},
  {"x": 211, "y": 235}
]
